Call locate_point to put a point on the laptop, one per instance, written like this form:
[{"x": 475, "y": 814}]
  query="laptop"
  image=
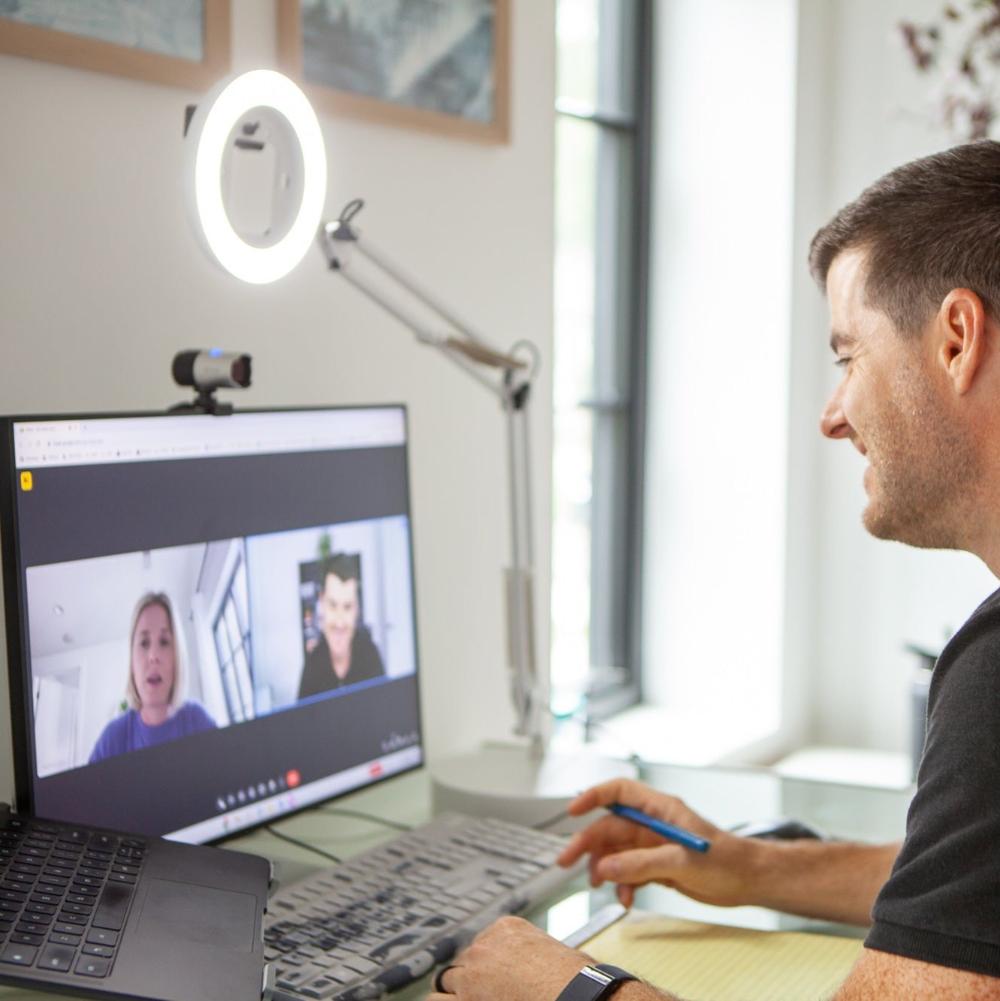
[{"x": 210, "y": 626}]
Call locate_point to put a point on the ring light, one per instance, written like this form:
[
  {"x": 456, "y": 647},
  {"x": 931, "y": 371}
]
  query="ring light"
[{"x": 259, "y": 126}]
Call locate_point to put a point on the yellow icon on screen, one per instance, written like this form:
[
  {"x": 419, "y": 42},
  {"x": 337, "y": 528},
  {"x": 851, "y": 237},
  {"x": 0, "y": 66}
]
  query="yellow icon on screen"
[{"x": 27, "y": 481}]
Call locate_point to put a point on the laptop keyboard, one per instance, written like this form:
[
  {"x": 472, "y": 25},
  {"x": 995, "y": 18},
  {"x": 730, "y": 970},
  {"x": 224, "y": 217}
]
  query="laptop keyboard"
[
  {"x": 386, "y": 917},
  {"x": 64, "y": 895}
]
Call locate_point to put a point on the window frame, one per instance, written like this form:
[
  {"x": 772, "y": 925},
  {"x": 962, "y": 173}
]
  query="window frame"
[{"x": 620, "y": 335}]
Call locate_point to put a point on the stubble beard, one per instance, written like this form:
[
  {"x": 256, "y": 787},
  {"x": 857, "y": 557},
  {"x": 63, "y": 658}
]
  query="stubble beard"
[{"x": 922, "y": 471}]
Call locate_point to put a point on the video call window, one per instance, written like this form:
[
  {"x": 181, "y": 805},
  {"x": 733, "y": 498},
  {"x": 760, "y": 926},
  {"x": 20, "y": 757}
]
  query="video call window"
[{"x": 139, "y": 649}]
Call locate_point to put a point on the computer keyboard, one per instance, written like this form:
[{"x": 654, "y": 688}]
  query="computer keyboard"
[
  {"x": 382, "y": 919},
  {"x": 64, "y": 894}
]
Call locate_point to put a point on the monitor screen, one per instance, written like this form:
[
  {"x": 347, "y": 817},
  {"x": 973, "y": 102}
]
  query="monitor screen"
[{"x": 210, "y": 620}]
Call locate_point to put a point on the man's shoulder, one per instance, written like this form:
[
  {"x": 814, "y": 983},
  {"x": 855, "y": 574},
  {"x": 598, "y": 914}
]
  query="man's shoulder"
[{"x": 977, "y": 643}]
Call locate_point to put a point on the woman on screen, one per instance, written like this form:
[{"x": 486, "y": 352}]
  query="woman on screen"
[{"x": 156, "y": 713}]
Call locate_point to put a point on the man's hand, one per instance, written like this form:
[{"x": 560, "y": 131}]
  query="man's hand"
[
  {"x": 511, "y": 960},
  {"x": 825, "y": 880},
  {"x": 627, "y": 854}
]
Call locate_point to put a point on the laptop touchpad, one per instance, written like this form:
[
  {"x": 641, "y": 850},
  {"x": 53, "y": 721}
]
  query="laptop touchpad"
[{"x": 202, "y": 914}]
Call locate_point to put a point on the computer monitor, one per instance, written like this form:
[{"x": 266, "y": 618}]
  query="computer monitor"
[{"x": 210, "y": 620}]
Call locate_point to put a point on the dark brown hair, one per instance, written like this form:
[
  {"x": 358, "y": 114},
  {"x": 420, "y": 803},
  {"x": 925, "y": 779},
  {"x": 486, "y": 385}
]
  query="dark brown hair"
[{"x": 927, "y": 227}]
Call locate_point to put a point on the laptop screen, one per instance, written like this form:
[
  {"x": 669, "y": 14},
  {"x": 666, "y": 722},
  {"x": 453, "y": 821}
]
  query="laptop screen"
[{"x": 210, "y": 620}]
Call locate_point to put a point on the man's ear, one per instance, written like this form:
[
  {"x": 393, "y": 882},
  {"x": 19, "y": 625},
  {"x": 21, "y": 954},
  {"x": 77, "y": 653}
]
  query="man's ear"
[{"x": 962, "y": 329}]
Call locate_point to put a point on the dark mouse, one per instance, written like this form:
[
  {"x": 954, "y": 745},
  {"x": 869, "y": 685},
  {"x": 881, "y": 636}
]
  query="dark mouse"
[{"x": 779, "y": 829}]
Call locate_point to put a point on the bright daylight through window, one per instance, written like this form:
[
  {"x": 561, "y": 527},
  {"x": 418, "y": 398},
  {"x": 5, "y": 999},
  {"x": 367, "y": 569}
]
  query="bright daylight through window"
[{"x": 600, "y": 294}]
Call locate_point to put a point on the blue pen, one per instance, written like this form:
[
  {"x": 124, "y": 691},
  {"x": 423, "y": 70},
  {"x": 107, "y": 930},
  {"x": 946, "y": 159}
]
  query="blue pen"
[{"x": 661, "y": 827}]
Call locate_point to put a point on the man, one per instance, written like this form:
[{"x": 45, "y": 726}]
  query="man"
[
  {"x": 345, "y": 652},
  {"x": 912, "y": 273}
]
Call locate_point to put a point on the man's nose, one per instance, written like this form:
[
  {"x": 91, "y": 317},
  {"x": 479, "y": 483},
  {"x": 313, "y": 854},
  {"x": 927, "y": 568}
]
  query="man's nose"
[{"x": 832, "y": 422}]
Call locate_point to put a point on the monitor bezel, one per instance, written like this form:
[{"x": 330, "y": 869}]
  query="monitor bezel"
[{"x": 15, "y": 599}]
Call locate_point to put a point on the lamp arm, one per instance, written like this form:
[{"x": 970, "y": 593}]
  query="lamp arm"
[
  {"x": 470, "y": 352},
  {"x": 434, "y": 340}
]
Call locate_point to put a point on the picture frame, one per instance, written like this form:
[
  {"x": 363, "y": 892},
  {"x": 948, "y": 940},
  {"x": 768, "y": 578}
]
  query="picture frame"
[
  {"x": 425, "y": 72},
  {"x": 94, "y": 48}
]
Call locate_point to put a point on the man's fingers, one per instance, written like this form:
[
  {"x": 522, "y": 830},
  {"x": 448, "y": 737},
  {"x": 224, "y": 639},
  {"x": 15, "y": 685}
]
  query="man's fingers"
[
  {"x": 601, "y": 836},
  {"x": 642, "y": 865},
  {"x": 616, "y": 791}
]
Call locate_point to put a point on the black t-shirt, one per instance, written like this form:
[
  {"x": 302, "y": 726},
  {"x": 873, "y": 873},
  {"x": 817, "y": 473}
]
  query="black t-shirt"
[
  {"x": 942, "y": 902},
  {"x": 318, "y": 675}
]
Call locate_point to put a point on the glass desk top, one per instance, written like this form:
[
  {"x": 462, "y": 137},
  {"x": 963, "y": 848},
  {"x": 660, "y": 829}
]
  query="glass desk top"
[{"x": 726, "y": 796}]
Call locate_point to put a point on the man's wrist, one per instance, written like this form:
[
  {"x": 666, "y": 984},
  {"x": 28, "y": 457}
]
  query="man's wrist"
[{"x": 595, "y": 983}]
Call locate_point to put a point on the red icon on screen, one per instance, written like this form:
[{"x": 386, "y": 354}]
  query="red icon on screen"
[
  {"x": 293, "y": 778},
  {"x": 375, "y": 769}
]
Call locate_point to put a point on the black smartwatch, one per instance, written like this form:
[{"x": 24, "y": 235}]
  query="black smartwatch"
[{"x": 594, "y": 983}]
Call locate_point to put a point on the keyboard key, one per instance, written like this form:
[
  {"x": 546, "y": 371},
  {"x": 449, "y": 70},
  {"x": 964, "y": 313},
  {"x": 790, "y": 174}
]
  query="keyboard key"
[
  {"x": 98, "y": 950},
  {"x": 41, "y": 897},
  {"x": 102, "y": 936},
  {"x": 93, "y": 966},
  {"x": 72, "y": 919},
  {"x": 36, "y": 918},
  {"x": 121, "y": 877},
  {"x": 55, "y": 870},
  {"x": 24, "y": 939},
  {"x": 78, "y": 908},
  {"x": 56, "y": 957},
  {"x": 19, "y": 955},
  {"x": 31, "y": 928},
  {"x": 87, "y": 871},
  {"x": 63, "y": 929},
  {"x": 61, "y": 939}
]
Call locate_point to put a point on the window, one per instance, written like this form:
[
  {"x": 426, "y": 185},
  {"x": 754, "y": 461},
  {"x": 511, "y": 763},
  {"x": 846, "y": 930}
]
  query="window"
[
  {"x": 232, "y": 646},
  {"x": 602, "y": 195}
]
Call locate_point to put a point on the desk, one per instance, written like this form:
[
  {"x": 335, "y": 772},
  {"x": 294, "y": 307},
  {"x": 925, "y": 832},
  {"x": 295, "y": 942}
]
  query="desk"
[{"x": 727, "y": 796}]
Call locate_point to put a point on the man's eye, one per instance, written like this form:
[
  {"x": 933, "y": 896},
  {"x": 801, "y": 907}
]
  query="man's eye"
[{"x": 842, "y": 361}]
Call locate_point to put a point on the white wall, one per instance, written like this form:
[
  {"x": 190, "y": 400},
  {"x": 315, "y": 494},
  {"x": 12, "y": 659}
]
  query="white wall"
[
  {"x": 856, "y": 600},
  {"x": 101, "y": 281}
]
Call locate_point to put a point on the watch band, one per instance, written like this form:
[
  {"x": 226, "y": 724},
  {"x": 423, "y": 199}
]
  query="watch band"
[{"x": 595, "y": 983}]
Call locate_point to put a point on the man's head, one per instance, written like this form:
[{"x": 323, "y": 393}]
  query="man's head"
[
  {"x": 912, "y": 272},
  {"x": 340, "y": 603},
  {"x": 927, "y": 227}
]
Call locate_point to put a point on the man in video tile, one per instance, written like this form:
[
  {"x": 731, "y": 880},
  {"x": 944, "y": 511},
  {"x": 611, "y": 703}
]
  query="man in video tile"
[{"x": 346, "y": 653}]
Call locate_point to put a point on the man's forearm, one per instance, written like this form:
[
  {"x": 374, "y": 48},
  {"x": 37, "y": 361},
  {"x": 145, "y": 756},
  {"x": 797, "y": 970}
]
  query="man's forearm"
[{"x": 816, "y": 879}]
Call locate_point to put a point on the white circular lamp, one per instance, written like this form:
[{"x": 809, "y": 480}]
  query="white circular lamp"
[{"x": 256, "y": 131}]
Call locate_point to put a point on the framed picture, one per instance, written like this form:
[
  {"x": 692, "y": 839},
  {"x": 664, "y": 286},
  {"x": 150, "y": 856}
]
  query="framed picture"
[
  {"x": 437, "y": 65},
  {"x": 182, "y": 43}
]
